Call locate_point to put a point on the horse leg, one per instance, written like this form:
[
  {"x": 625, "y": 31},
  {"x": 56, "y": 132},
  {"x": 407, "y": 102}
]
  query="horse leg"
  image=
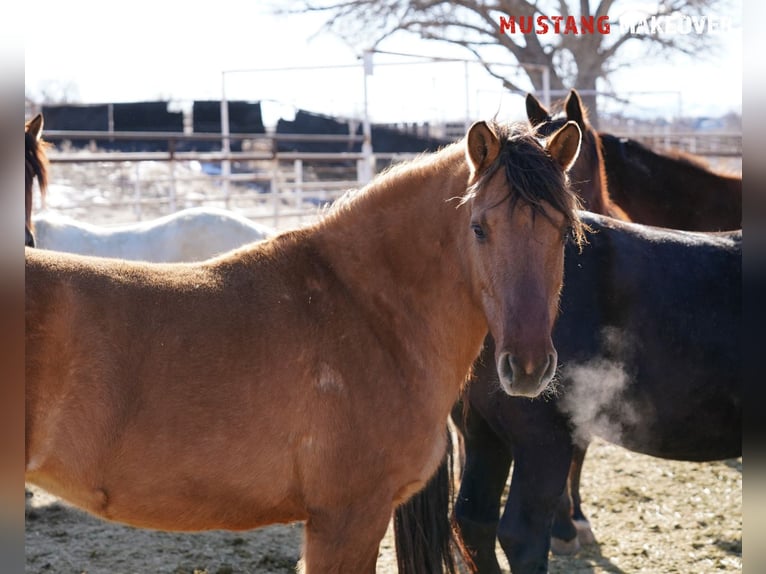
[
  {"x": 477, "y": 509},
  {"x": 564, "y": 539},
  {"x": 581, "y": 522},
  {"x": 539, "y": 477},
  {"x": 571, "y": 528},
  {"x": 342, "y": 541}
]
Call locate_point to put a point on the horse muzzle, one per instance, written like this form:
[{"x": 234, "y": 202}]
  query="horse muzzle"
[{"x": 526, "y": 377}]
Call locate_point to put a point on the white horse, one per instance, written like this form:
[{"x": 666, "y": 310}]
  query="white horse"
[{"x": 192, "y": 234}]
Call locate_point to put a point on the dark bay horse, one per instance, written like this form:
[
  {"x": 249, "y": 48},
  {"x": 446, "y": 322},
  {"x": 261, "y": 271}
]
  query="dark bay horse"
[
  {"x": 649, "y": 341},
  {"x": 35, "y": 166},
  {"x": 157, "y": 395}
]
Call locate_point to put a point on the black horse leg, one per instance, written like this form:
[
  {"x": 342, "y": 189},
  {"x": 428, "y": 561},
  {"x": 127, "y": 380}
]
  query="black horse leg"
[
  {"x": 539, "y": 477},
  {"x": 571, "y": 528},
  {"x": 29, "y": 239},
  {"x": 564, "y": 538},
  {"x": 477, "y": 509},
  {"x": 584, "y": 532}
]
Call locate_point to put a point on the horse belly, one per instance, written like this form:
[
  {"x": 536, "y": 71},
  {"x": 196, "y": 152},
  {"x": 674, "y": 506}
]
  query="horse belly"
[
  {"x": 156, "y": 492},
  {"x": 198, "y": 474},
  {"x": 679, "y": 418},
  {"x": 692, "y": 434}
]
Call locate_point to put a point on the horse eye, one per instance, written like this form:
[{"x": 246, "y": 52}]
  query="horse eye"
[{"x": 478, "y": 231}]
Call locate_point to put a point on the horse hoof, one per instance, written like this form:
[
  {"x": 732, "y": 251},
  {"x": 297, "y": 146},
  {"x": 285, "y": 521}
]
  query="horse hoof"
[
  {"x": 584, "y": 532},
  {"x": 565, "y": 547}
]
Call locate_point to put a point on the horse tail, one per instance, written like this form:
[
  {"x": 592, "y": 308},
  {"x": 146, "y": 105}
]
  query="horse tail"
[{"x": 426, "y": 542}]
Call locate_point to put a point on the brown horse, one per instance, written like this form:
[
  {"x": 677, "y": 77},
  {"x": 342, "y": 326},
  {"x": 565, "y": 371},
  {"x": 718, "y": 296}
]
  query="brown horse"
[
  {"x": 307, "y": 377},
  {"x": 624, "y": 179},
  {"x": 35, "y": 165}
]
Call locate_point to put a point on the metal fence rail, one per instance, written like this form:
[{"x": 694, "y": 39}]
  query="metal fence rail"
[
  {"x": 280, "y": 188},
  {"x": 265, "y": 183},
  {"x": 713, "y": 144}
]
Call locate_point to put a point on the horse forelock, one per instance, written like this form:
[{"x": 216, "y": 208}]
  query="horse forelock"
[{"x": 533, "y": 175}]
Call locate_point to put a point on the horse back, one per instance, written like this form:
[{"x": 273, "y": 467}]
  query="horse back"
[
  {"x": 650, "y": 327},
  {"x": 125, "y": 352},
  {"x": 125, "y": 359},
  {"x": 670, "y": 190}
]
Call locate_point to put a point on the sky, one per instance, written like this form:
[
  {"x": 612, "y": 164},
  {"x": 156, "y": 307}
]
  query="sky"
[{"x": 180, "y": 51}]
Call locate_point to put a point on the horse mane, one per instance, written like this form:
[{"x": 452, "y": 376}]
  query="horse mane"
[
  {"x": 420, "y": 165},
  {"x": 534, "y": 177},
  {"x": 37, "y": 159},
  {"x": 674, "y": 156},
  {"x": 688, "y": 158}
]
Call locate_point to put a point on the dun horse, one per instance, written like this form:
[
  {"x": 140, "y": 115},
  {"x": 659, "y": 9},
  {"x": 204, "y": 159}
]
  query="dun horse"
[
  {"x": 158, "y": 395},
  {"x": 35, "y": 166}
]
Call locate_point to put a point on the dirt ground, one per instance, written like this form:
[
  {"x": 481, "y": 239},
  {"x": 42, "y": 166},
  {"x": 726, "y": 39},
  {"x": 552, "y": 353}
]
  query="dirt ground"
[{"x": 648, "y": 515}]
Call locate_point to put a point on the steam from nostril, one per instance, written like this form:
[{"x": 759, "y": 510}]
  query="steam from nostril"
[{"x": 595, "y": 400}]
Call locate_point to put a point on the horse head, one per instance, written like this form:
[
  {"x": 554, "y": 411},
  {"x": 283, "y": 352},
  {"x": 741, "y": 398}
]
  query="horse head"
[
  {"x": 35, "y": 166},
  {"x": 521, "y": 214}
]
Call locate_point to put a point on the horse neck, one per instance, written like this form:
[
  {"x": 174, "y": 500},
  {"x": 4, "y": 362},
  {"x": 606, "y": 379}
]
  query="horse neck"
[
  {"x": 658, "y": 190},
  {"x": 395, "y": 248},
  {"x": 594, "y": 188},
  {"x": 702, "y": 199}
]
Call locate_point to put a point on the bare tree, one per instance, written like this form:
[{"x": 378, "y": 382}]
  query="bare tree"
[
  {"x": 55, "y": 92},
  {"x": 575, "y": 60}
]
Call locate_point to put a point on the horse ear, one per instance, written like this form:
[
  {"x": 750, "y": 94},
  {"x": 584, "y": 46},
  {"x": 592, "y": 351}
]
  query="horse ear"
[
  {"x": 564, "y": 145},
  {"x": 482, "y": 147},
  {"x": 575, "y": 110},
  {"x": 34, "y": 126},
  {"x": 536, "y": 112}
]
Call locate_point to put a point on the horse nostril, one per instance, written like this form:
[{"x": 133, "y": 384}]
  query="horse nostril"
[
  {"x": 550, "y": 369},
  {"x": 505, "y": 367},
  {"x": 509, "y": 368},
  {"x": 520, "y": 377}
]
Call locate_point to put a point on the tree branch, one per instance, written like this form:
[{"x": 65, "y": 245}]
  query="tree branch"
[{"x": 474, "y": 26}]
